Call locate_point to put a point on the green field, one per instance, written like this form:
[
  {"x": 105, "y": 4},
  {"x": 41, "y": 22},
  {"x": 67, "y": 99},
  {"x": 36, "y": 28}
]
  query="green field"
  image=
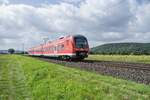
[
  {"x": 122, "y": 58},
  {"x": 25, "y": 78}
]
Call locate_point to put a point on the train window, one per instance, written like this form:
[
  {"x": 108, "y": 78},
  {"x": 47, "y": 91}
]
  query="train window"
[
  {"x": 81, "y": 42},
  {"x": 50, "y": 49},
  {"x": 62, "y": 46},
  {"x": 58, "y": 48},
  {"x": 53, "y": 48}
]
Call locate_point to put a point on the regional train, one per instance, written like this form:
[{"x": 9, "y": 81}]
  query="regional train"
[{"x": 69, "y": 47}]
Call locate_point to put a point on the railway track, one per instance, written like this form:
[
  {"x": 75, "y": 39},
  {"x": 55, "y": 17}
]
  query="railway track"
[
  {"x": 130, "y": 71},
  {"x": 137, "y": 66}
]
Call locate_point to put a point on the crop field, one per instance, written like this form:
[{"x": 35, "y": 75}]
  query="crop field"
[
  {"x": 121, "y": 58},
  {"x": 26, "y": 78}
]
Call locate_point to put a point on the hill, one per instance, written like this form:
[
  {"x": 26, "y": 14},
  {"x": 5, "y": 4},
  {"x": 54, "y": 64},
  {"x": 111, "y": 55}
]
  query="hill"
[{"x": 123, "y": 49}]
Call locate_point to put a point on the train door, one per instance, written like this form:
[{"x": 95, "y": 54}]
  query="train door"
[
  {"x": 55, "y": 50},
  {"x": 42, "y": 49}
]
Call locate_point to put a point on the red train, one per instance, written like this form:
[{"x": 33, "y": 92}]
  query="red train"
[{"x": 69, "y": 47}]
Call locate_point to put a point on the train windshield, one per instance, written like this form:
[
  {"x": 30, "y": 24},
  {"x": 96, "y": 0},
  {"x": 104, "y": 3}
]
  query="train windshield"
[{"x": 81, "y": 42}]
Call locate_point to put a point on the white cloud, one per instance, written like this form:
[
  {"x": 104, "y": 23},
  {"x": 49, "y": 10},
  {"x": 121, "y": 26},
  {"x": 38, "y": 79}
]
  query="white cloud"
[{"x": 100, "y": 20}]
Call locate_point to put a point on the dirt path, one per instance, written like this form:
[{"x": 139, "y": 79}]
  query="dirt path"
[{"x": 12, "y": 81}]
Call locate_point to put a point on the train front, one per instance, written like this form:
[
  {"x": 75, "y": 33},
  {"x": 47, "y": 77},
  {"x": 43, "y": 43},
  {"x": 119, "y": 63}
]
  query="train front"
[{"x": 81, "y": 47}]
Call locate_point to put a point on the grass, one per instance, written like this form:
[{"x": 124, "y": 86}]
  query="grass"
[
  {"x": 28, "y": 78},
  {"x": 123, "y": 58}
]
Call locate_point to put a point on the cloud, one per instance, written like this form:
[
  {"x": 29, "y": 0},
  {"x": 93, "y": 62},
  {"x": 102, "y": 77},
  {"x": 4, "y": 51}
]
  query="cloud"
[
  {"x": 3, "y": 2},
  {"x": 142, "y": 19},
  {"x": 73, "y": 1},
  {"x": 101, "y": 21}
]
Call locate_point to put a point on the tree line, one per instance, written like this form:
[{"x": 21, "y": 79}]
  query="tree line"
[{"x": 122, "y": 49}]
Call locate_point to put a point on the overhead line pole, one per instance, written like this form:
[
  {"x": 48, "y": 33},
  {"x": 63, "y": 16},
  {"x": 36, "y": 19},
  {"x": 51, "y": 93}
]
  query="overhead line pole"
[{"x": 23, "y": 48}]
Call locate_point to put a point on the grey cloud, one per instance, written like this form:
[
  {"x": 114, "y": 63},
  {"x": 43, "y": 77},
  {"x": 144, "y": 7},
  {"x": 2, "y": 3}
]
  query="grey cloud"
[
  {"x": 142, "y": 19},
  {"x": 101, "y": 21},
  {"x": 115, "y": 18}
]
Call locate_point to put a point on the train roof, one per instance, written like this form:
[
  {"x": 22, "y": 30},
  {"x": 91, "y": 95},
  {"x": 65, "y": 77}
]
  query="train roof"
[
  {"x": 78, "y": 35},
  {"x": 65, "y": 37}
]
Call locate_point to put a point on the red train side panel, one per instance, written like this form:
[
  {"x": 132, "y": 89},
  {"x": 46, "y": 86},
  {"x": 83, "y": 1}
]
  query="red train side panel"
[{"x": 70, "y": 46}]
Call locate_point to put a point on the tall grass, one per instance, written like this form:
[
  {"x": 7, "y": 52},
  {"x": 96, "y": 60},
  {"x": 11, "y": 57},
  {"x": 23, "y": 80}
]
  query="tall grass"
[
  {"x": 122, "y": 58},
  {"x": 46, "y": 81}
]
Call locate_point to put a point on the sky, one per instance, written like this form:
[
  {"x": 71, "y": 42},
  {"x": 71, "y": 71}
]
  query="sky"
[{"x": 101, "y": 21}]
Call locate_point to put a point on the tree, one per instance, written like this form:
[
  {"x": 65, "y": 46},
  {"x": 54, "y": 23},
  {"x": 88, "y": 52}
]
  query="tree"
[{"x": 11, "y": 50}]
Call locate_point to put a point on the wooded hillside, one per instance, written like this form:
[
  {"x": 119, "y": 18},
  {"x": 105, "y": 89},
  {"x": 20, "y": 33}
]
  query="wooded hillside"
[{"x": 123, "y": 48}]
